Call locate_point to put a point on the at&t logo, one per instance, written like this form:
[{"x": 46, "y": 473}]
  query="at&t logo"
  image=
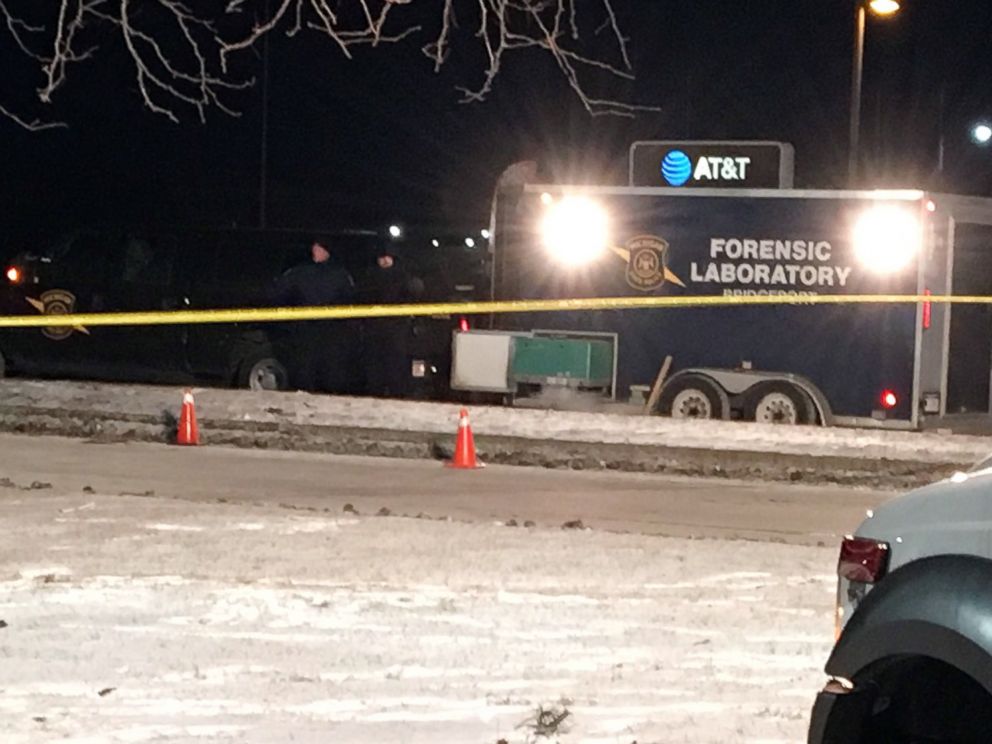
[{"x": 677, "y": 168}]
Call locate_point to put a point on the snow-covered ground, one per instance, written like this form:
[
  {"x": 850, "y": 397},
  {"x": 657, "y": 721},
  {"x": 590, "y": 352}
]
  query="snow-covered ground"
[
  {"x": 322, "y": 410},
  {"x": 141, "y": 619}
]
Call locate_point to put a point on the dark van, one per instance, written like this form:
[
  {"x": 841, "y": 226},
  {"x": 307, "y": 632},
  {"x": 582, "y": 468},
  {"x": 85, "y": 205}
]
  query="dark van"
[{"x": 122, "y": 270}]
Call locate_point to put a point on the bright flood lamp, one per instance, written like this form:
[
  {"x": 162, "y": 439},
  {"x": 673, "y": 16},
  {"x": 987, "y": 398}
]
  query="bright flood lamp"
[
  {"x": 887, "y": 239},
  {"x": 575, "y": 230}
]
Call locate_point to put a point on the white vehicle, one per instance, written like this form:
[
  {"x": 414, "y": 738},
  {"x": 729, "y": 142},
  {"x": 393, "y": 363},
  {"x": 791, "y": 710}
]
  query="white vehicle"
[{"x": 913, "y": 659}]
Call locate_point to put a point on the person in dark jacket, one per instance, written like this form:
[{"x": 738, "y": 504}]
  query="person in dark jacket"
[
  {"x": 320, "y": 354},
  {"x": 386, "y": 358}
]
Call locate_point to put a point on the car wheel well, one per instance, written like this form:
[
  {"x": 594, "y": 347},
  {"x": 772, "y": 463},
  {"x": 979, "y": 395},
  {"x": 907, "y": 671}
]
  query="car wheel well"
[
  {"x": 246, "y": 356},
  {"x": 922, "y": 699}
]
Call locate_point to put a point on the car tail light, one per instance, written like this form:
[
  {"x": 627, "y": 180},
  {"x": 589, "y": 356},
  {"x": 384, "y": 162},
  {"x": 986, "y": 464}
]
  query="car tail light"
[
  {"x": 14, "y": 274},
  {"x": 463, "y": 324},
  {"x": 889, "y": 399},
  {"x": 863, "y": 559},
  {"x": 927, "y": 310}
]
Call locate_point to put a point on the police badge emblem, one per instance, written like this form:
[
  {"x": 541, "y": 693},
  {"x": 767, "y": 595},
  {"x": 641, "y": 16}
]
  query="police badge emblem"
[
  {"x": 56, "y": 302},
  {"x": 646, "y": 262}
]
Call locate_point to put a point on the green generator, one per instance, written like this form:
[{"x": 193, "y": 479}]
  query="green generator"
[{"x": 574, "y": 362}]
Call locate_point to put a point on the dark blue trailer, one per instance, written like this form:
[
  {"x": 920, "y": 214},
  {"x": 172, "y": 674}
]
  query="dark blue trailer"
[{"x": 858, "y": 364}]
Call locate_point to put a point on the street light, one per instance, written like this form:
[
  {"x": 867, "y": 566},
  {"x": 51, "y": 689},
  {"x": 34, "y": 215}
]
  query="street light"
[
  {"x": 981, "y": 133},
  {"x": 883, "y": 8}
]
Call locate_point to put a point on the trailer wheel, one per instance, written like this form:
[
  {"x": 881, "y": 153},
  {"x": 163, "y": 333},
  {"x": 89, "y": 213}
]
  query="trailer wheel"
[
  {"x": 3, "y": 366},
  {"x": 693, "y": 397},
  {"x": 779, "y": 403}
]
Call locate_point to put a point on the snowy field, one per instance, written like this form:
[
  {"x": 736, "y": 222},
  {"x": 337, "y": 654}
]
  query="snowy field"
[{"x": 138, "y": 620}]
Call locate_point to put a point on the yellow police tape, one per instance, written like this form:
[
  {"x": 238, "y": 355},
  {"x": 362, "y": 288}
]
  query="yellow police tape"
[{"x": 270, "y": 315}]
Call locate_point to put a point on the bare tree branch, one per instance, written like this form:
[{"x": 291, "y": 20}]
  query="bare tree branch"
[
  {"x": 64, "y": 52},
  {"x": 18, "y": 30},
  {"x": 32, "y": 126},
  {"x": 259, "y": 31},
  {"x": 547, "y": 18},
  {"x": 180, "y": 58}
]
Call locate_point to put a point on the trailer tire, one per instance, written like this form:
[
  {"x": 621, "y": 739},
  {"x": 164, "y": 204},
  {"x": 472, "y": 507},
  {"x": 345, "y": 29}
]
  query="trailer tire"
[
  {"x": 693, "y": 397},
  {"x": 777, "y": 402},
  {"x": 3, "y": 366}
]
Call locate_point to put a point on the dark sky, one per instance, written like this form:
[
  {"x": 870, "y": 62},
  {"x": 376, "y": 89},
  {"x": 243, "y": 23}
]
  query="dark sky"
[{"x": 383, "y": 137}]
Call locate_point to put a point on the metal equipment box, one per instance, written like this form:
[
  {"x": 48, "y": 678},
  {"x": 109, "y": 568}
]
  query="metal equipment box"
[{"x": 567, "y": 362}]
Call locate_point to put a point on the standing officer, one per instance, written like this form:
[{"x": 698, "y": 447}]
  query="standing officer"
[
  {"x": 320, "y": 353},
  {"x": 387, "y": 362}
]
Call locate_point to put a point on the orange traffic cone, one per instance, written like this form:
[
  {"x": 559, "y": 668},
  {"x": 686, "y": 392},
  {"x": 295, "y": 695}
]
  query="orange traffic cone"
[
  {"x": 464, "y": 458},
  {"x": 188, "y": 432}
]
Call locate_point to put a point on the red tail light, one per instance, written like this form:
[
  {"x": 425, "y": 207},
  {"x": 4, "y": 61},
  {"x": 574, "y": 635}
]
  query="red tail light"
[
  {"x": 889, "y": 399},
  {"x": 463, "y": 324},
  {"x": 927, "y": 310},
  {"x": 863, "y": 559},
  {"x": 14, "y": 275}
]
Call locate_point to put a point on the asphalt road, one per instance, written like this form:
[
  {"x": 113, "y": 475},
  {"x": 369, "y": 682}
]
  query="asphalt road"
[{"x": 626, "y": 502}]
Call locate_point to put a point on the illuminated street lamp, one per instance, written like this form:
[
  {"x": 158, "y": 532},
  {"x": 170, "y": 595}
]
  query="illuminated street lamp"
[
  {"x": 981, "y": 133},
  {"x": 882, "y": 8}
]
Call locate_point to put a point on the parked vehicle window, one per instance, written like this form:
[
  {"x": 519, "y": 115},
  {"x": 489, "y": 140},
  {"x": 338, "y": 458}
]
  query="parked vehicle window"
[
  {"x": 84, "y": 257},
  {"x": 148, "y": 260}
]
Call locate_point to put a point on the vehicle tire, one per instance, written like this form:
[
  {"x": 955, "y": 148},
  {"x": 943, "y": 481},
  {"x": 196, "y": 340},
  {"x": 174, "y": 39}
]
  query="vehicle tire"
[
  {"x": 693, "y": 397},
  {"x": 260, "y": 370},
  {"x": 3, "y": 366},
  {"x": 779, "y": 403}
]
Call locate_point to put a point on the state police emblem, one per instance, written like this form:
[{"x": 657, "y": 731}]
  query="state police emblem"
[
  {"x": 646, "y": 262},
  {"x": 56, "y": 302}
]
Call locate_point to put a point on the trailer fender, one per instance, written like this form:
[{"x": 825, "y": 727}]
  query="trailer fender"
[{"x": 937, "y": 607}]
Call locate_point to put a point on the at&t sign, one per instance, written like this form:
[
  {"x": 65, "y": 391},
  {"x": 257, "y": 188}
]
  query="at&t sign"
[{"x": 756, "y": 165}]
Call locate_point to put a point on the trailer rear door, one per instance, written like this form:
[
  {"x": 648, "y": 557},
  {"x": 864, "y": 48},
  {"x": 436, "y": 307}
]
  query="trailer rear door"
[{"x": 970, "y": 342}]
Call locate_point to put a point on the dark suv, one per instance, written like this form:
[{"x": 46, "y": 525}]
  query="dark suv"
[
  {"x": 110, "y": 270},
  {"x": 913, "y": 659}
]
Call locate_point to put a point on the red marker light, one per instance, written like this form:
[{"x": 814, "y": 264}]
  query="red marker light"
[
  {"x": 889, "y": 399},
  {"x": 927, "y": 311},
  {"x": 863, "y": 559},
  {"x": 14, "y": 275},
  {"x": 463, "y": 324}
]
